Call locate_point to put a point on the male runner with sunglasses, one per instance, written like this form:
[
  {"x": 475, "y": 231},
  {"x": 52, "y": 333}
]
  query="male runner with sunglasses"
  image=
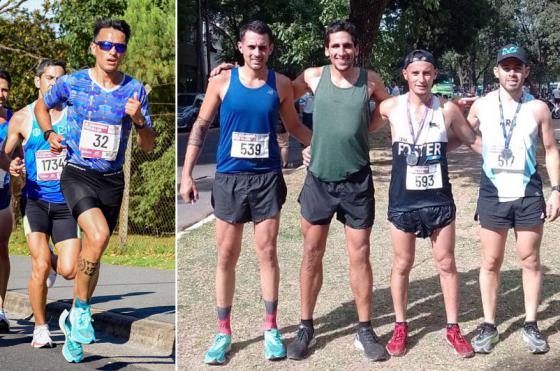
[
  {"x": 511, "y": 191},
  {"x": 6, "y": 217},
  {"x": 420, "y": 199},
  {"x": 46, "y": 214},
  {"x": 103, "y": 105}
]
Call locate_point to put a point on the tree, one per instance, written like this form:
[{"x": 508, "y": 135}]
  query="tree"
[
  {"x": 25, "y": 39},
  {"x": 151, "y": 59},
  {"x": 76, "y": 19}
]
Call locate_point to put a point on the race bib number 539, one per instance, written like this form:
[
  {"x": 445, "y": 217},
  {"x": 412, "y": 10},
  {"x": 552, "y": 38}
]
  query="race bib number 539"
[
  {"x": 99, "y": 140},
  {"x": 249, "y": 145}
]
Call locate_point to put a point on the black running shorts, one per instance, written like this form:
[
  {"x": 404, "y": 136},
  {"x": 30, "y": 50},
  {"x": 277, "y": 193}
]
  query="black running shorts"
[
  {"x": 86, "y": 189},
  {"x": 53, "y": 219},
  {"x": 240, "y": 198},
  {"x": 523, "y": 212},
  {"x": 351, "y": 199},
  {"x": 422, "y": 222}
]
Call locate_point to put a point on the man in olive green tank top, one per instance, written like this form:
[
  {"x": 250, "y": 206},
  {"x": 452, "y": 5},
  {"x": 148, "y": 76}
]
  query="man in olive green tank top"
[{"x": 338, "y": 181}]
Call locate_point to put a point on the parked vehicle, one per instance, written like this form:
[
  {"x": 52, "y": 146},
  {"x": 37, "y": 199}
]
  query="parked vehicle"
[{"x": 188, "y": 109}]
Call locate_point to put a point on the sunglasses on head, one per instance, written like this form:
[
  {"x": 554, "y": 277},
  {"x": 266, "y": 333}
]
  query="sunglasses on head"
[{"x": 107, "y": 46}]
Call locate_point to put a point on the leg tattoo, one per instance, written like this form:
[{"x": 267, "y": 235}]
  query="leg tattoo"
[{"x": 88, "y": 268}]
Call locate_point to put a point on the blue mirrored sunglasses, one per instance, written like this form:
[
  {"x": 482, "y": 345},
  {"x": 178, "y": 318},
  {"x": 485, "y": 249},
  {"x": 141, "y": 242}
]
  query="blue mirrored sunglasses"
[{"x": 107, "y": 46}]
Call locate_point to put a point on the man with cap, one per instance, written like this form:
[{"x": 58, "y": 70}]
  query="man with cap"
[
  {"x": 511, "y": 191},
  {"x": 420, "y": 198}
]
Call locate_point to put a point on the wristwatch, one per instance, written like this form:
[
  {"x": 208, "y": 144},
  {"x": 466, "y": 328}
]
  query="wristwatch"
[
  {"x": 47, "y": 133},
  {"x": 140, "y": 127},
  {"x": 555, "y": 188}
]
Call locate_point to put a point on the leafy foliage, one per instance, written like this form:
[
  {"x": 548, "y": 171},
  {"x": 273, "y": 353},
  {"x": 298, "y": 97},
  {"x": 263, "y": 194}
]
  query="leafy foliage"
[
  {"x": 151, "y": 59},
  {"x": 25, "y": 38},
  {"x": 76, "y": 19}
]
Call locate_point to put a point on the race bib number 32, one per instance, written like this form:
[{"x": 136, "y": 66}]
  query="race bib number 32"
[
  {"x": 419, "y": 178},
  {"x": 249, "y": 145},
  {"x": 99, "y": 140},
  {"x": 49, "y": 165}
]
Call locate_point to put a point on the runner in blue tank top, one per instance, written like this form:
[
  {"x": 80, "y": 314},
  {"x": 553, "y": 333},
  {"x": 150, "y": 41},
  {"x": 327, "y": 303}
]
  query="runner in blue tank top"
[
  {"x": 103, "y": 104},
  {"x": 6, "y": 219},
  {"x": 249, "y": 185},
  {"x": 45, "y": 213}
]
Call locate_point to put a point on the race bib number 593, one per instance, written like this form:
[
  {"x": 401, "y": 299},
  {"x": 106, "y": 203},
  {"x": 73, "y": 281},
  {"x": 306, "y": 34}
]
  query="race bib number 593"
[
  {"x": 419, "y": 178},
  {"x": 99, "y": 140},
  {"x": 249, "y": 145}
]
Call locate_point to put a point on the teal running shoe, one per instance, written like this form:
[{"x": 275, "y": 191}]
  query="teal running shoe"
[
  {"x": 216, "y": 355},
  {"x": 71, "y": 350},
  {"x": 273, "y": 346},
  {"x": 81, "y": 325}
]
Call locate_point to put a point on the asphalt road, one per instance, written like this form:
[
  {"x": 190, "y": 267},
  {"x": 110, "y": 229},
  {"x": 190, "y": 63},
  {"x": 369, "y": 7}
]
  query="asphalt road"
[{"x": 110, "y": 354}]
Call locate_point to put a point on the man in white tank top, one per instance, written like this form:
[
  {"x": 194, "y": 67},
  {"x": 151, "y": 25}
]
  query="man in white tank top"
[{"x": 511, "y": 194}]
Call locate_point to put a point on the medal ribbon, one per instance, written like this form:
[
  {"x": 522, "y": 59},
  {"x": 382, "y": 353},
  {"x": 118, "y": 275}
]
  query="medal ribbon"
[
  {"x": 423, "y": 121},
  {"x": 507, "y": 136}
]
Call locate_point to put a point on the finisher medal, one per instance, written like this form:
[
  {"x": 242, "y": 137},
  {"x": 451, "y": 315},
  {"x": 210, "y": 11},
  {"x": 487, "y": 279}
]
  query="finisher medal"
[
  {"x": 412, "y": 158},
  {"x": 507, "y": 154}
]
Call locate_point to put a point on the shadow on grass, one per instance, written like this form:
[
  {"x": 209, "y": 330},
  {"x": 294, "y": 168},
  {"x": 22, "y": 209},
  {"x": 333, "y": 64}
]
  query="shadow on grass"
[{"x": 426, "y": 312}]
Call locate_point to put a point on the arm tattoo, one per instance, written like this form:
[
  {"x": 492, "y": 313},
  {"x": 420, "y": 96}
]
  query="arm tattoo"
[
  {"x": 198, "y": 132},
  {"x": 88, "y": 268}
]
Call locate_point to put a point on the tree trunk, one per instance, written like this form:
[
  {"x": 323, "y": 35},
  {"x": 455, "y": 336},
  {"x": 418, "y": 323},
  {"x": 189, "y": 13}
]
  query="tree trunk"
[{"x": 366, "y": 16}]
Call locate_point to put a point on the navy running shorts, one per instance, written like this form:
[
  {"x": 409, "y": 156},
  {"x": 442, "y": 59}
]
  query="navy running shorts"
[{"x": 424, "y": 221}]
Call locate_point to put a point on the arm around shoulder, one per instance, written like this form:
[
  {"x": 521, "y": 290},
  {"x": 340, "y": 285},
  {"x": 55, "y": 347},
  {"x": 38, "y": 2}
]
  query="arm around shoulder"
[{"x": 290, "y": 118}]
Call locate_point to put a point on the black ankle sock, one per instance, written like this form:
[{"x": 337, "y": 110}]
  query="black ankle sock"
[
  {"x": 364, "y": 324},
  {"x": 308, "y": 323},
  {"x": 530, "y": 323},
  {"x": 449, "y": 325}
]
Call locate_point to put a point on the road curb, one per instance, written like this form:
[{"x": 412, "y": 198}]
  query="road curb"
[{"x": 152, "y": 334}]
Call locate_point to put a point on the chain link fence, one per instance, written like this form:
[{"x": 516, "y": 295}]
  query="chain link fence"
[{"x": 148, "y": 206}]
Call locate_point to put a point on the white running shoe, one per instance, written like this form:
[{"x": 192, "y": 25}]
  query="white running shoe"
[
  {"x": 42, "y": 337},
  {"x": 4, "y": 322},
  {"x": 51, "y": 278}
]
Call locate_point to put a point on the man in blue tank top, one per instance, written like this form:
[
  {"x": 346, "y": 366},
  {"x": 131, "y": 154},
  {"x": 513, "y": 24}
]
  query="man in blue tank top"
[
  {"x": 248, "y": 185},
  {"x": 511, "y": 191},
  {"x": 420, "y": 198},
  {"x": 45, "y": 213},
  {"x": 6, "y": 217},
  {"x": 103, "y": 105}
]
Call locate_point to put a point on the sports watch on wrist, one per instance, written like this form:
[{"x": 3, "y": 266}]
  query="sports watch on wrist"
[
  {"x": 555, "y": 188},
  {"x": 47, "y": 133}
]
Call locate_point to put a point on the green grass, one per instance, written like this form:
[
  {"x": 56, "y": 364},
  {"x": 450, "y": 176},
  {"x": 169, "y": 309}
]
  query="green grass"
[
  {"x": 140, "y": 251},
  {"x": 335, "y": 314}
]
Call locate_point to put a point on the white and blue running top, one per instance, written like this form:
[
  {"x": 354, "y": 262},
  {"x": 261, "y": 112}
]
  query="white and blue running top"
[
  {"x": 98, "y": 126},
  {"x": 508, "y": 172}
]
